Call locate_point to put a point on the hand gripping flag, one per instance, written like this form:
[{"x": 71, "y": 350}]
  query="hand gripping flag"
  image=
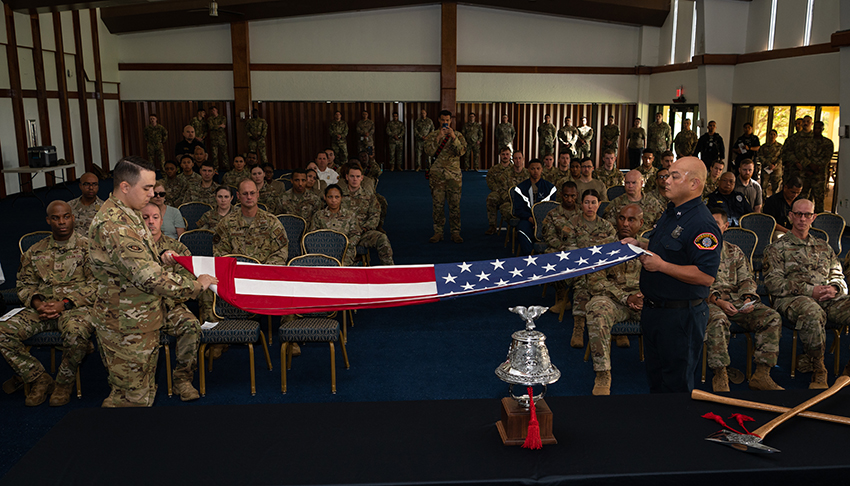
[{"x": 280, "y": 290}]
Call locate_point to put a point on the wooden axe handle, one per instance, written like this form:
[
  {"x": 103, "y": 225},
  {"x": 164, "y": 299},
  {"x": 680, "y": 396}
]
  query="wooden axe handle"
[
  {"x": 709, "y": 397},
  {"x": 840, "y": 383}
]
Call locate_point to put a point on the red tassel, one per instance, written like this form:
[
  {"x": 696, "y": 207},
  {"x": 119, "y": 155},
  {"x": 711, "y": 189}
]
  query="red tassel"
[
  {"x": 532, "y": 440},
  {"x": 719, "y": 420},
  {"x": 741, "y": 419}
]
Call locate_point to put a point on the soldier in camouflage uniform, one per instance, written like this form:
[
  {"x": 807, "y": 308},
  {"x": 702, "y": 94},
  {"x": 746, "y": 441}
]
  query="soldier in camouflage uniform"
[
  {"x": 298, "y": 200},
  {"x": 446, "y": 146},
  {"x": 179, "y": 321},
  {"x": 513, "y": 177},
  {"x": 734, "y": 287},
  {"x": 658, "y": 135},
  {"x": 395, "y": 137},
  {"x": 267, "y": 194},
  {"x": 636, "y": 143},
  {"x": 609, "y": 174},
  {"x": 546, "y": 134},
  {"x": 568, "y": 136},
  {"x": 610, "y": 136},
  {"x": 87, "y": 205},
  {"x": 505, "y": 134},
  {"x": 257, "y": 129},
  {"x": 365, "y": 134},
  {"x": 685, "y": 141},
  {"x": 497, "y": 179},
  {"x": 205, "y": 191},
  {"x": 339, "y": 136},
  {"x": 56, "y": 289},
  {"x": 550, "y": 170},
  {"x": 804, "y": 277},
  {"x": 817, "y": 154},
  {"x": 187, "y": 178},
  {"x": 217, "y": 130},
  {"x": 771, "y": 167},
  {"x": 335, "y": 217},
  {"x": 616, "y": 297},
  {"x": 421, "y": 129},
  {"x": 314, "y": 184},
  {"x": 651, "y": 208},
  {"x": 365, "y": 207},
  {"x": 251, "y": 231},
  {"x": 199, "y": 123},
  {"x": 223, "y": 207},
  {"x": 173, "y": 183},
  {"x": 647, "y": 169},
  {"x": 131, "y": 286},
  {"x": 552, "y": 229},
  {"x": 155, "y": 137},
  {"x": 474, "y": 134},
  {"x": 585, "y": 137},
  {"x": 236, "y": 175},
  {"x": 712, "y": 180}
]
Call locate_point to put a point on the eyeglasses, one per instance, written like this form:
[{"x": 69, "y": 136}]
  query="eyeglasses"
[
  {"x": 159, "y": 194},
  {"x": 802, "y": 215},
  {"x": 662, "y": 177},
  {"x": 89, "y": 184}
]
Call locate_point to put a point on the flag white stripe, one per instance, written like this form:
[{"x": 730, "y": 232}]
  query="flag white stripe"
[
  {"x": 205, "y": 265},
  {"x": 277, "y": 288}
]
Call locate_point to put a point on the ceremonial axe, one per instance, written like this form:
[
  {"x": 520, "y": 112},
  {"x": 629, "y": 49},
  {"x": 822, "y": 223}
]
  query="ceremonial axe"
[
  {"x": 766, "y": 407},
  {"x": 753, "y": 442}
]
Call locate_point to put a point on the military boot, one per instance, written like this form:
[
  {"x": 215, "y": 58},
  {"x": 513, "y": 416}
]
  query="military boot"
[
  {"x": 622, "y": 341},
  {"x": 804, "y": 363},
  {"x": 602, "y": 383},
  {"x": 456, "y": 238},
  {"x": 39, "y": 389},
  {"x": 491, "y": 230},
  {"x": 186, "y": 391},
  {"x": 720, "y": 382},
  {"x": 561, "y": 302},
  {"x": 436, "y": 238},
  {"x": 818, "y": 374},
  {"x": 577, "y": 341},
  {"x": 61, "y": 395},
  {"x": 761, "y": 379}
]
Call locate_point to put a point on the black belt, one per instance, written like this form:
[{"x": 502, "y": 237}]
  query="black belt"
[{"x": 672, "y": 304}]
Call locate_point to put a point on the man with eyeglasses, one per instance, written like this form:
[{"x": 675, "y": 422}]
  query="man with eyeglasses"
[
  {"x": 650, "y": 206},
  {"x": 804, "y": 277},
  {"x": 87, "y": 205},
  {"x": 587, "y": 181},
  {"x": 657, "y": 192},
  {"x": 727, "y": 199}
]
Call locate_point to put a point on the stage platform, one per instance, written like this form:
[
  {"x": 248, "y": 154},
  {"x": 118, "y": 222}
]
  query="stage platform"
[{"x": 630, "y": 439}]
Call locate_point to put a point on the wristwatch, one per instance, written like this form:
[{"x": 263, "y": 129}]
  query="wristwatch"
[{"x": 68, "y": 304}]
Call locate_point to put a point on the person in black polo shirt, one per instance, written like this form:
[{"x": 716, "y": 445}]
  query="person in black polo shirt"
[
  {"x": 779, "y": 204},
  {"x": 728, "y": 199},
  {"x": 188, "y": 144},
  {"x": 678, "y": 269}
]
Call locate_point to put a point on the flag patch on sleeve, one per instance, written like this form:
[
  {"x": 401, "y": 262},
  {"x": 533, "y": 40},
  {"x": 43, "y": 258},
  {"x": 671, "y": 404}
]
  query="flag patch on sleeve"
[{"x": 706, "y": 241}]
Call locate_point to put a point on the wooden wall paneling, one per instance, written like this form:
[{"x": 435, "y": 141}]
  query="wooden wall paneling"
[
  {"x": 17, "y": 96},
  {"x": 448, "y": 56},
  {"x": 85, "y": 128},
  {"x": 241, "y": 55},
  {"x": 41, "y": 90},
  {"x": 98, "y": 92}
]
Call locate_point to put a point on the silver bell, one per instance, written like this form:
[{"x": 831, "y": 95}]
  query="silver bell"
[{"x": 528, "y": 360}]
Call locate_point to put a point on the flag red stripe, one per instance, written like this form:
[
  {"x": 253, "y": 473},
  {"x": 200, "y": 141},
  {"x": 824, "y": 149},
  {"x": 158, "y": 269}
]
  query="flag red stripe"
[{"x": 372, "y": 275}]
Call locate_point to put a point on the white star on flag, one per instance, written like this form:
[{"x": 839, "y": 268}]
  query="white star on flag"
[
  {"x": 501, "y": 282},
  {"x": 530, "y": 260},
  {"x": 582, "y": 261},
  {"x": 594, "y": 250},
  {"x": 450, "y": 278},
  {"x": 464, "y": 267},
  {"x": 550, "y": 268},
  {"x": 468, "y": 286},
  {"x": 497, "y": 264},
  {"x": 515, "y": 272},
  {"x": 564, "y": 255},
  {"x": 483, "y": 276},
  {"x": 612, "y": 253}
]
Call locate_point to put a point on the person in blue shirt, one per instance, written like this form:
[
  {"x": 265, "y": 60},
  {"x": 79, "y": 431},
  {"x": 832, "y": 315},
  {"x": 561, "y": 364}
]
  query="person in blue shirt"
[
  {"x": 523, "y": 196},
  {"x": 680, "y": 265}
]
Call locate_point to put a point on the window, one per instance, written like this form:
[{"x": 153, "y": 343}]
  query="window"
[
  {"x": 772, "y": 34},
  {"x": 694, "y": 32},
  {"x": 807, "y": 36},
  {"x": 760, "y": 121},
  {"x": 831, "y": 123},
  {"x": 782, "y": 122},
  {"x": 675, "y": 27}
]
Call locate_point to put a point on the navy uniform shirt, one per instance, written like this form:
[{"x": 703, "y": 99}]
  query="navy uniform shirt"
[{"x": 685, "y": 235}]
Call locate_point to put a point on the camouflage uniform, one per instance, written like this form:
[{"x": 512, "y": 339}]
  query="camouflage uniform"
[
  {"x": 685, "y": 143},
  {"x": 303, "y": 205},
  {"x": 497, "y": 182},
  {"x": 585, "y": 135},
  {"x": 581, "y": 233},
  {"x": 179, "y": 321},
  {"x": 55, "y": 271},
  {"x": 200, "y": 126},
  {"x": 474, "y": 134},
  {"x": 155, "y": 137},
  {"x": 734, "y": 283},
  {"x": 445, "y": 179},
  {"x": 232, "y": 178},
  {"x": 339, "y": 145},
  {"x": 174, "y": 189},
  {"x": 610, "y": 290},
  {"x": 568, "y": 135},
  {"x": 257, "y": 128},
  {"x": 128, "y": 311},
  {"x": 769, "y": 155},
  {"x": 610, "y": 138},
  {"x": 421, "y": 129},
  {"x": 710, "y": 186},
  {"x": 199, "y": 193},
  {"x": 611, "y": 177},
  {"x": 648, "y": 176},
  {"x": 546, "y": 133},
  {"x": 270, "y": 198},
  {"x": 395, "y": 128},
  {"x": 186, "y": 181},
  {"x": 552, "y": 174},
  {"x": 553, "y": 225},
  {"x": 83, "y": 215},
  {"x": 342, "y": 221},
  {"x": 596, "y": 184},
  {"x": 817, "y": 155},
  {"x": 366, "y": 136},
  {"x": 218, "y": 142},
  {"x": 651, "y": 207},
  {"x": 792, "y": 267},
  {"x": 210, "y": 219},
  {"x": 658, "y": 138},
  {"x": 366, "y": 209},
  {"x": 512, "y": 178},
  {"x": 319, "y": 189},
  {"x": 505, "y": 133},
  {"x": 263, "y": 238}
]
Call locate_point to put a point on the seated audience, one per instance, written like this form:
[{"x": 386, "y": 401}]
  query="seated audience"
[
  {"x": 651, "y": 207},
  {"x": 733, "y": 203},
  {"x": 205, "y": 191},
  {"x": 187, "y": 177},
  {"x": 609, "y": 174},
  {"x": 337, "y": 218},
  {"x": 250, "y": 231},
  {"x": 189, "y": 142},
  {"x": 497, "y": 180},
  {"x": 367, "y": 210},
  {"x": 747, "y": 186},
  {"x": 314, "y": 184},
  {"x": 173, "y": 183},
  {"x": 550, "y": 170},
  {"x": 298, "y": 200},
  {"x": 586, "y": 181},
  {"x": 267, "y": 195},
  {"x": 713, "y": 178},
  {"x": 523, "y": 197},
  {"x": 223, "y": 206},
  {"x": 554, "y": 234},
  {"x": 87, "y": 205},
  {"x": 279, "y": 186},
  {"x": 647, "y": 170},
  {"x": 779, "y": 204},
  {"x": 324, "y": 172},
  {"x": 237, "y": 174},
  {"x": 172, "y": 221}
]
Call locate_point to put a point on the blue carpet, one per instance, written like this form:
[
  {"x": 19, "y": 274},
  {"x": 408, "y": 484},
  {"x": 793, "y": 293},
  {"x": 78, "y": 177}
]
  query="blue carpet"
[{"x": 439, "y": 351}]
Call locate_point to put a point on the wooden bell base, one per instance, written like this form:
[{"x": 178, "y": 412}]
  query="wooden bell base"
[{"x": 513, "y": 428}]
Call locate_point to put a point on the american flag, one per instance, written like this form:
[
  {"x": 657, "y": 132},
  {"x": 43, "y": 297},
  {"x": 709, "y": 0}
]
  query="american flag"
[{"x": 280, "y": 290}]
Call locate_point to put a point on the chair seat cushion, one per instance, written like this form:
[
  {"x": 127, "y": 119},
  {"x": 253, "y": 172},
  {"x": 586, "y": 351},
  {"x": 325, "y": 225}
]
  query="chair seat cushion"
[
  {"x": 630, "y": 328},
  {"x": 232, "y": 331},
  {"x": 315, "y": 329},
  {"x": 47, "y": 338}
]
